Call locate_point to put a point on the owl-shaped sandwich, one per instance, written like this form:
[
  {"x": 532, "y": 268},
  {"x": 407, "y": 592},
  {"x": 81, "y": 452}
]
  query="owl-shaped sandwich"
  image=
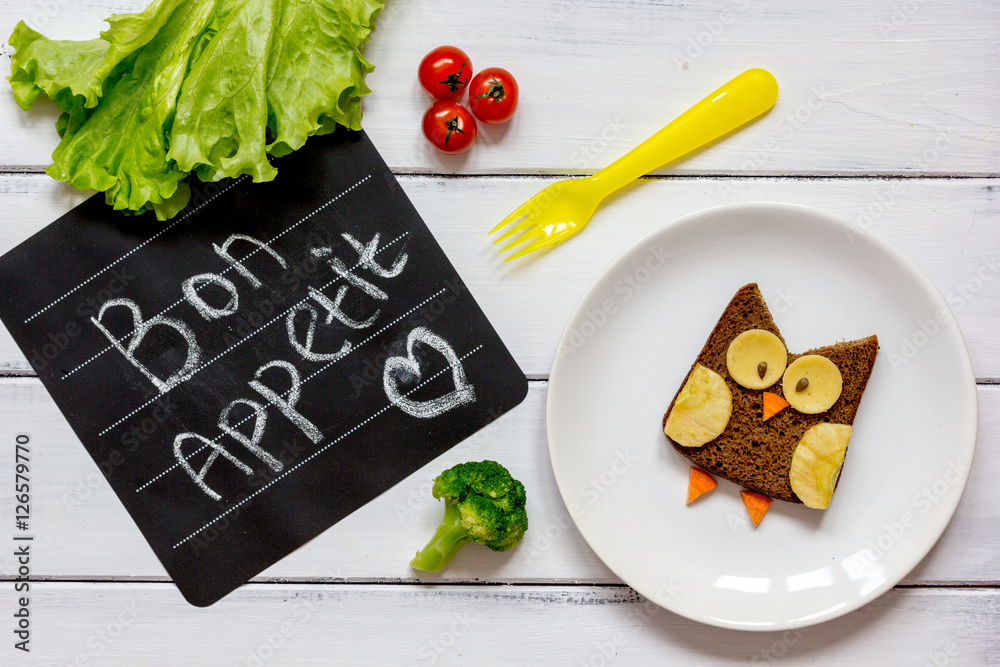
[{"x": 773, "y": 422}]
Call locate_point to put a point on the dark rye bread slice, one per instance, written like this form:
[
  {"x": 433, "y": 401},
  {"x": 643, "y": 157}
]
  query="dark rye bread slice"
[{"x": 751, "y": 452}]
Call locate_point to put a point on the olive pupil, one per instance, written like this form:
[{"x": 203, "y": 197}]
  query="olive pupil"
[
  {"x": 762, "y": 369},
  {"x": 802, "y": 384}
]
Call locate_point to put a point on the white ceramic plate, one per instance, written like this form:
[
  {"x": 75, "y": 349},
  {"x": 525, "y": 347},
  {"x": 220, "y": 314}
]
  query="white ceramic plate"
[{"x": 630, "y": 342}]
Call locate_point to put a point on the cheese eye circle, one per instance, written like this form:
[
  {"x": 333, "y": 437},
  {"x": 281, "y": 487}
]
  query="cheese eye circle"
[
  {"x": 756, "y": 359},
  {"x": 812, "y": 384}
]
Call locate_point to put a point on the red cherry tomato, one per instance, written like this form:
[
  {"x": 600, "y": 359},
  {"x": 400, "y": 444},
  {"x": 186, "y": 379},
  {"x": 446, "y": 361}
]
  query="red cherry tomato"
[
  {"x": 493, "y": 95},
  {"x": 445, "y": 72},
  {"x": 449, "y": 126}
]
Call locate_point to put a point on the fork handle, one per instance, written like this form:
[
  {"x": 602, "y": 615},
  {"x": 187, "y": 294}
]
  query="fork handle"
[{"x": 736, "y": 103}]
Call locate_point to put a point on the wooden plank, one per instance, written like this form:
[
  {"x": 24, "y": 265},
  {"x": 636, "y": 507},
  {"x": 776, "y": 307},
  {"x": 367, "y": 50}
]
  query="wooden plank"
[
  {"x": 912, "y": 90},
  {"x": 78, "y": 516},
  {"x": 150, "y": 624},
  {"x": 79, "y": 522},
  {"x": 951, "y": 228}
]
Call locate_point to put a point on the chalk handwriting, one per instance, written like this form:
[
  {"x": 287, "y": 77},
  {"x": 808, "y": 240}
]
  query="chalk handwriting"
[
  {"x": 141, "y": 328},
  {"x": 335, "y": 312},
  {"x": 322, "y": 310},
  {"x": 199, "y": 477},
  {"x": 408, "y": 367},
  {"x": 347, "y": 274},
  {"x": 223, "y": 252},
  {"x": 367, "y": 254},
  {"x": 190, "y": 289},
  {"x": 287, "y": 405},
  {"x": 306, "y": 348},
  {"x": 251, "y": 443}
]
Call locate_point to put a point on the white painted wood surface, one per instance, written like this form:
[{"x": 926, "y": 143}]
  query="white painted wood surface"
[
  {"x": 869, "y": 91},
  {"x": 135, "y": 624},
  {"x": 79, "y": 516},
  {"x": 951, "y": 228},
  {"x": 859, "y": 94}
]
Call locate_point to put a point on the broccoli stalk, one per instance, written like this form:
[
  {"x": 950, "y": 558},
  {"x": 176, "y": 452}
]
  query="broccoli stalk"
[
  {"x": 483, "y": 504},
  {"x": 448, "y": 539}
]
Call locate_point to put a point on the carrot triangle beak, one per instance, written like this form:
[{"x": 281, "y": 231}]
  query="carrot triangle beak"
[{"x": 773, "y": 404}]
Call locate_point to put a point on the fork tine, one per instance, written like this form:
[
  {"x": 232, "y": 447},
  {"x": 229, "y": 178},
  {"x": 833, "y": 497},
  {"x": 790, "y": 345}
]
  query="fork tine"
[
  {"x": 522, "y": 210},
  {"x": 528, "y": 235},
  {"x": 519, "y": 227},
  {"x": 538, "y": 244},
  {"x": 518, "y": 212}
]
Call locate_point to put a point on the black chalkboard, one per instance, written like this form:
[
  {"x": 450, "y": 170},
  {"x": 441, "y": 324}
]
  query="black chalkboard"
[{"x": 254, "y": 370}]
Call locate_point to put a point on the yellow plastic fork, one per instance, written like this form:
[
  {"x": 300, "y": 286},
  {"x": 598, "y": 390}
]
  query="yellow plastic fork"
[{"x": 562, "y": 209}]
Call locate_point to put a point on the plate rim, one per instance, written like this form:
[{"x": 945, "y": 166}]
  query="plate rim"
[{"x": 881, "y": 244}]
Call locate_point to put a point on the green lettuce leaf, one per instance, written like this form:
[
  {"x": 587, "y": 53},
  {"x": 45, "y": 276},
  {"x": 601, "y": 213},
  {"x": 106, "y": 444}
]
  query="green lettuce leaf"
[
  {"x": 312, "y": 95},
  {"x": 121, "y": 147},
  {"x": 300, "y": 79},
  {"x": 211, "y": 87},
  {"x": 65, "y": 68},
  {"x": 222, "y": 112},
  {"x": 61, "y": 69}
]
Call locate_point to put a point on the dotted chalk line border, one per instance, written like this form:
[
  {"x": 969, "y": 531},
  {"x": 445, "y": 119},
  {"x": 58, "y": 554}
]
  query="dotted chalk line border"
[
  {"x": 230, "y": 349},
  {"x": 322, "y": 449},
  {"x": 141, "y": 245},
  {"x": 222, "y": 273}
]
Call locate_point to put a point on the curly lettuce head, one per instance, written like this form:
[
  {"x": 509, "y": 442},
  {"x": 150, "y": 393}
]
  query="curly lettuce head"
[{"x": 211, "y": 87}]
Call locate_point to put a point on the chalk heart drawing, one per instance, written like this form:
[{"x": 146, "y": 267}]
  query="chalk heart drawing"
[{"x": 397, "y": 368}]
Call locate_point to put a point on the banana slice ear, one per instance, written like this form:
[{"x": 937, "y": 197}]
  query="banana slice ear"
[{"x": 702, "y": 409}]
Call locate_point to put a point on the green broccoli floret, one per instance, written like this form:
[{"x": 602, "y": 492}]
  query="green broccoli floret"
[{"x": 483, "y": 504}]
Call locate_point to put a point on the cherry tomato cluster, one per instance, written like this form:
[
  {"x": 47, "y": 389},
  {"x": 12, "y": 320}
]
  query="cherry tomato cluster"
[{"x": 446, "y": 73}]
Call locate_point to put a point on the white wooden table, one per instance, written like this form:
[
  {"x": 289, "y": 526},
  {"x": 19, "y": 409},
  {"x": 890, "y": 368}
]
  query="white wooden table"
[{"x": 888, "y": 115}]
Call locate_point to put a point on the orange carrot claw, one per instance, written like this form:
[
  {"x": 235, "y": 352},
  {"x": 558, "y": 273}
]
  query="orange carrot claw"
[
  {"x": 757, "y": 505},
  {"x": 699, "y": 482}
]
